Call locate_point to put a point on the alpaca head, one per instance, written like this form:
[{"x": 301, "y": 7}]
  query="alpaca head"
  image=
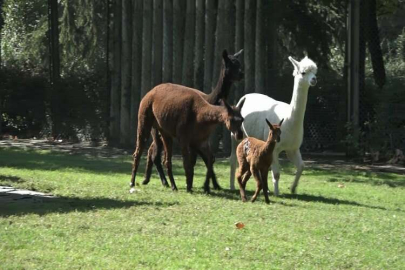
[
  {"x": 305, "y": 70},
  {"x": 233, "y": 67},
  {"x": 275, "y": 131},
  {"x": 234, "y": 118}
]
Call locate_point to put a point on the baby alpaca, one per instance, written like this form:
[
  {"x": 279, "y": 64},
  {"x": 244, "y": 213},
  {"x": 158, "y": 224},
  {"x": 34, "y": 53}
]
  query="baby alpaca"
[{"x": 255, "y": 157}]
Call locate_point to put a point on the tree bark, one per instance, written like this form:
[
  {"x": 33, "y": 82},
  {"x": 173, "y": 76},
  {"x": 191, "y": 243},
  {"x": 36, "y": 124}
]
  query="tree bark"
[
  {"x": 126, "y": 73},
  {"x": 189, "y": 41},
  {"x": 260, "y": 51},
  {"x": 147, "y": 47},
  {"x": 157, "y": 42},
  {"x": 116, "y": 76},
  {"x": 210, "y": 25},
  {"x": 168, "y": 41},
  {"x": 249, "y": 41},
  {"x": 239, "y": 44},
  {"x": 199, "y": 46},
  {"x": 136, "y": 83},
  {"x": 54, "y": 66},
  {"x": 178, "y": 38}
]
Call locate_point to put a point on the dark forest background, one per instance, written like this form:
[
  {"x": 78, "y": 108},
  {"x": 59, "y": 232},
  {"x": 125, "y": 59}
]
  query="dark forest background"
[{"x": 77, "y": 70}]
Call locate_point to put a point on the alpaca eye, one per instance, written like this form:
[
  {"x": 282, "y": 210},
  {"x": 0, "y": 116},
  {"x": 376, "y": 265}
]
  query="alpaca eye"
[{"x": 303, "y": 73}]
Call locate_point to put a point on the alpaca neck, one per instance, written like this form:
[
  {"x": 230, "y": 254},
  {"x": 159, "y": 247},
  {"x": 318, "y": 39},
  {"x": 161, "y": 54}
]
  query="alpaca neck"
[
  {"x": 269, "y": 146},
  {"x": 213, "y": 115},
  {"x": 299, "y": 101},
  {"x": 222, "y": 88}
]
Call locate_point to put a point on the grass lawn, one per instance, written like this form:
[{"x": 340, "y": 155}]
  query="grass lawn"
[{"x": 339, "y": 219}]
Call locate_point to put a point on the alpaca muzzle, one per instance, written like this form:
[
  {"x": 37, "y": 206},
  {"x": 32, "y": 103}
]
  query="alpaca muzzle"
[{"x": 313, "y": 81}]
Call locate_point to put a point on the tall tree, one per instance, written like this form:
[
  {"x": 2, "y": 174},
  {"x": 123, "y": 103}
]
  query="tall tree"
[
  {"x": 1, "y": 101},
  {"x": 126, "y": 73},
  {"x": 239, "y": 44},
  {"x": 116, "y": 76},
  {"x": 136, "y": 83},
  {"x": 147, "y": 47},
  {"x": 189, "y": 41},
  {"x": 157, "y": 42},
  {"x": 178, "y": 38},
  {"x": 260, "y": 50},
  {"x": 53, "y": 19},
  {"x": 168, "y": 41},
  {"x": 210, "y": 25},
  {"x": 249, "y": 41},
  {"x": 199, "y": 46}
]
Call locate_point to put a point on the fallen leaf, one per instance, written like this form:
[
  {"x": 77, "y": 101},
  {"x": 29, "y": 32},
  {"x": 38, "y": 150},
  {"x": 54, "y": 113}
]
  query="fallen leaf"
[
  {"x": 227, "y": 248},
  {"x": 341, "y": 186},
  {"x": 239, "y": 225}
]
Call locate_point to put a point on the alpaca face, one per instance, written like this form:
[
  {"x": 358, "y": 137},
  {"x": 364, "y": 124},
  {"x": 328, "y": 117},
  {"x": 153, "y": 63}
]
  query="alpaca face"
[
  {"x": 234, "y": 119},
  {"x": 305, "y": 70},
  {"x": 233, "y": 67}
]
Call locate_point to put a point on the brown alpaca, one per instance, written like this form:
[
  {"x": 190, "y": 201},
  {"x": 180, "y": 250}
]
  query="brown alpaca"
[
  {"x": 255, "y": 157},
  {"x": 231, "y": 71},
  {"x": 180, "y": 112}
]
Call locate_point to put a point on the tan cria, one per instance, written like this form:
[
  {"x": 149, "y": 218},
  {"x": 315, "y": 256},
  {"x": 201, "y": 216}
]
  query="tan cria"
[{"x": 255, "y": 157}]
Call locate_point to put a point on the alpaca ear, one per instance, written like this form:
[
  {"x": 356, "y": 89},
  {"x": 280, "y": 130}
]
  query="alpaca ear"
[
  {"x": 225, "y": 56},
  {"x": 236, "y": 55},
  {"x": 294, "y": 62},
  {"x": 240, "y": 105},
  {"x": 282, "y": 120},
  {"x": 227, "y": 106},
  {"x": 269, "y": 124}
]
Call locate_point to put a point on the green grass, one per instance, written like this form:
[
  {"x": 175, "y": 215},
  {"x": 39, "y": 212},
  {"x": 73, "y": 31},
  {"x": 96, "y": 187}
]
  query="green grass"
[{"x": 96, "y": 224}]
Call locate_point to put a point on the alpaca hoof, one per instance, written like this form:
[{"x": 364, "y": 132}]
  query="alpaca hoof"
[
  {"x": 217, "y": 187},
  {"x": 145, "y": 182}
]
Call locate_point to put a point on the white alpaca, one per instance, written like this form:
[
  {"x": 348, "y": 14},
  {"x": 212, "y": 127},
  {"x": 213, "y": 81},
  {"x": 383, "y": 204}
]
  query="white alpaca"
[{"x": 258, "y": 107}]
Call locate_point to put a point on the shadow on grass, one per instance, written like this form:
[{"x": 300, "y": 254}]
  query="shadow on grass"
[
  {"x": 53, "y": 161},
  {"x": 23, "y": 205},
  {"x": 326, "y": 200}
]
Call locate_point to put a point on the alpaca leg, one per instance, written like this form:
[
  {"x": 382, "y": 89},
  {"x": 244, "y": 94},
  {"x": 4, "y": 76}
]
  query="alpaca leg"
[
  {"x": 149, "y": 163},
  {"x": 208, "y": 158},
  {"x": 144, "y": 128},
  {"x": 264, "y": 174},
  {"x": 275, "y": 168},
  {"x": 188, "y": 166},
  {"x": 233, "y": 161},
  {"x": 168, "y": 147},
  {"x": 296, "y": 159},
  {"x": 157, "y": 157},
  {"x": 242, "y": 175},
  {"x": 258, "y": 178},
  {"x": 154, "y": 157}
]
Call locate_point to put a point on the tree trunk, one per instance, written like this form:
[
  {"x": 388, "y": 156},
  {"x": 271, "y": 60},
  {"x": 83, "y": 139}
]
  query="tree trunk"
[
  {"x": 178, "y": 38},
  {"x": 147, "y": 47},
  {"x": 210, "y": 25},
  {"x": 168, "y": 41},
  {"x": 260, "y": 51},
  {"x": 249, "y": 50},
  {"x": 157, "y": 42},
  {"x": 116, "y": 76},
  {"x": 189, "y": 41},
  {"x": 1, "y": 100},
  {"x": 239, "y": 44},
  {"x": 225, "y": 40},
  {"x": 126, "y": 64},
  {"x": 136, "y": 83},
  {"x": 53, "y": 18},
  {"x": 199, "y": 46},
  {"x": 271, "y": 68},
  {"x": 374, "y": 45}
]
